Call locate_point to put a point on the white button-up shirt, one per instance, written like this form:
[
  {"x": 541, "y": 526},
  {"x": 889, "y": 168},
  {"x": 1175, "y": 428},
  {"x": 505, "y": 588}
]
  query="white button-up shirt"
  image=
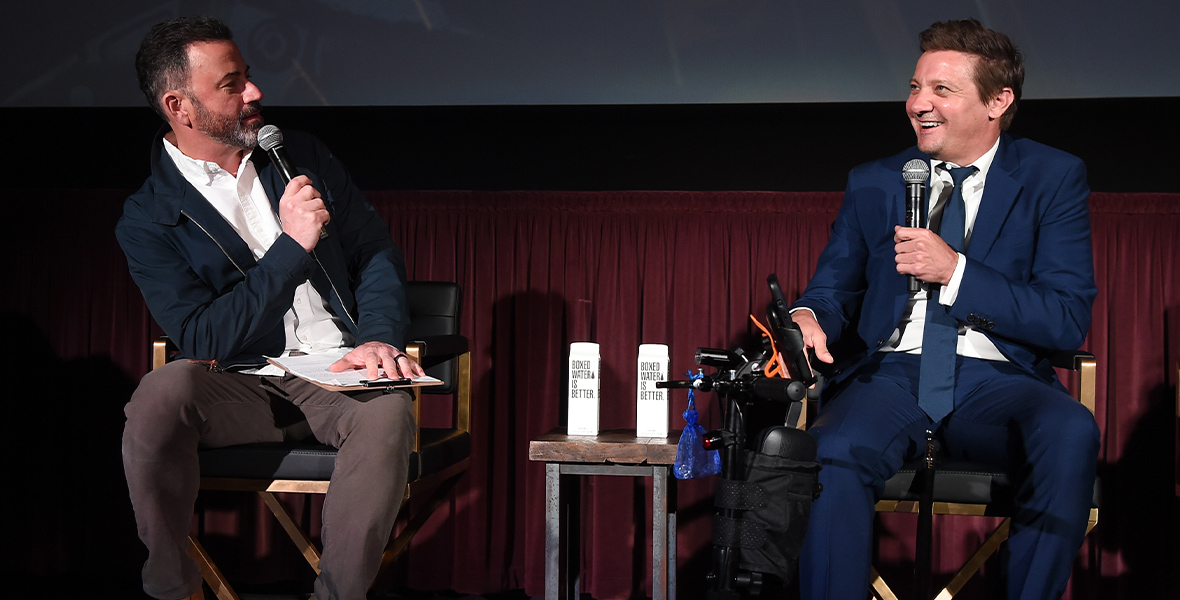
[
  {"x": 972, "y": 342},
  {"x": 310, "y": 324}
]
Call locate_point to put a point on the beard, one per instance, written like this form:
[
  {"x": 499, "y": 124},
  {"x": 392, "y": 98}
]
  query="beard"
[{"x": 229, "y": 130}]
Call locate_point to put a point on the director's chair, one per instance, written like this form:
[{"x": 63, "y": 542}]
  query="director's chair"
[
  {"x": 964, "y": 488},
  {"x": 440, "y": 458}
]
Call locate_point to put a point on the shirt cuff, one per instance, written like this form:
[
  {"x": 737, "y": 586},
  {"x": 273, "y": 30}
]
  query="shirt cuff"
[
  {"x": 950, "y": 291},
  {"x": 792, "y": 311}
]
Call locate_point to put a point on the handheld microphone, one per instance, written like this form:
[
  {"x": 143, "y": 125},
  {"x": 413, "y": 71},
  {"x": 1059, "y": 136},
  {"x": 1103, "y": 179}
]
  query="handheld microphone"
[
  {"x": 270, "y": 139},
  {"x": 915, "y": 172}
]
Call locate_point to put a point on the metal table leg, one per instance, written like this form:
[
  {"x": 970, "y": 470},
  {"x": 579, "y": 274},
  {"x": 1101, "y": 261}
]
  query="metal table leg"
[
  {"x": 561, "y": 534},
  {"x": 672, "y": 500},
  {"x": 562, "y": 526},
  {"x": 659, "y": 534}
]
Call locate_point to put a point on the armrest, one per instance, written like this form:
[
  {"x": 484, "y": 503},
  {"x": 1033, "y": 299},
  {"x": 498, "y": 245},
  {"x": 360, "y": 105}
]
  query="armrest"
[
  {"x": 1070, "y": 359},
  {"x": 162, "y": 351},
  {"x": 445, "y": 346},
  {"x": 440, "y": 348},
  {"x": 1086, "y": 366}
]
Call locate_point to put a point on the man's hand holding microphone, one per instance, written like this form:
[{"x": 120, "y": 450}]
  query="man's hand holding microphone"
[
  {"x": 301, "y": 209},
  {"x": 302, "y": 212}
]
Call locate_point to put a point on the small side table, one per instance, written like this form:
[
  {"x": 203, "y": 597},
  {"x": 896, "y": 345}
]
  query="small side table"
[{"x": 612, "y": 452}]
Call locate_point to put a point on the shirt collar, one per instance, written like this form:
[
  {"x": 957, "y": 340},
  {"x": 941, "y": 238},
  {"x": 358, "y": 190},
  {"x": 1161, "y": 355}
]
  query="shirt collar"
[
  {"x": 196, "y": 170},
  {"x": 983, "y": 163}
]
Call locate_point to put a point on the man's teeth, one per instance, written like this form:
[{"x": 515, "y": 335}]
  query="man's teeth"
[{"x": 930, "y": 125}]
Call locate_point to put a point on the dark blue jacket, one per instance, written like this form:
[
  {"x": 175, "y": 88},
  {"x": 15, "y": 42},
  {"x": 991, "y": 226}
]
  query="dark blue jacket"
[
  {"x": 1029, "y": 280},
  {"x": 203, "y": 286}
]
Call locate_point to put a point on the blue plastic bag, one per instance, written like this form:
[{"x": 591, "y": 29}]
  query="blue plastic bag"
[{"x": 692, "y": 459}]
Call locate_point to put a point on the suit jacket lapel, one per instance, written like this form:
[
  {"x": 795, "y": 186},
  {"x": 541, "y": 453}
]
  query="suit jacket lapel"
[{"x": 999, "y": 196}]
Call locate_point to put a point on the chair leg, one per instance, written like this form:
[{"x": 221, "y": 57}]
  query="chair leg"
[
  {"x": 985, "y": 551},
  {"x": 397, "y": 545},
  {"x": 973, "y": 564},
  {"x": 880, "y": 589},
  {"x": 305, "y": 545},
  {"x": 210, "y": 572},
  {"x": 925, "y": 533}
]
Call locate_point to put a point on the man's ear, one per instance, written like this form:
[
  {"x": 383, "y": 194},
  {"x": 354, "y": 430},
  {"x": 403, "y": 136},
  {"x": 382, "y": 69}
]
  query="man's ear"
[
  {"x": 176, "y": 108},
  {"x": 999, "y": 103}
]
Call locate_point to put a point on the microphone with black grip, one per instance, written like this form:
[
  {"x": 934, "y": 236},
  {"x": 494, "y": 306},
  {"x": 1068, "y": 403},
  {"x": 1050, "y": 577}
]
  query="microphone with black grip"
[
  {"x": 915, "y": 172},
  {"x": 270, "y": 139}
]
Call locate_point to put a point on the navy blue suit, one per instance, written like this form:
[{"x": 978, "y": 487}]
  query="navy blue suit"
[{"x": 1029, "y": 286}]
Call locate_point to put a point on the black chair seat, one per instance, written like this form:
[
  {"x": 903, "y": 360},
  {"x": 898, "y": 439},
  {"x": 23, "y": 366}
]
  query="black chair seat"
[
  {"x": 441, "y": 448},
  {"x": 312, "y": 461},
  {"x": 960, "y": 482},
  {"x": 278, "y": 460}
]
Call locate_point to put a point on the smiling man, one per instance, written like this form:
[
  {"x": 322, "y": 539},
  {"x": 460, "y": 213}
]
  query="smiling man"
[
  {"x": 1009, "y": 279},
  {"x": 236, "y": 266}
]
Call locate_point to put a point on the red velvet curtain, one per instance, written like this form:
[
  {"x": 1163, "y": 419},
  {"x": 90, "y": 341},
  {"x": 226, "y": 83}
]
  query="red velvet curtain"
[
  {"x": 540, "y": 270},
  {"x": 685, "y": 269}
]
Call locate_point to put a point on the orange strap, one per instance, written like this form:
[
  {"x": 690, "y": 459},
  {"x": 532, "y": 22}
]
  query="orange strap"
[{"x": 774, "y": 366}]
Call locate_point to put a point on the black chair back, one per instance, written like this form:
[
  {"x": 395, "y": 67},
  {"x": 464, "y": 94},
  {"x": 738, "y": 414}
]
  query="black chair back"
[{"x": 434, "y": 314}]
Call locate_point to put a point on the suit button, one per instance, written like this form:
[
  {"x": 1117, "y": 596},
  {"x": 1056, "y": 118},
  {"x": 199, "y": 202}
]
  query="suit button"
[
  {"x": 991, "y": 324},
  {"x": 880, "y": 343}
]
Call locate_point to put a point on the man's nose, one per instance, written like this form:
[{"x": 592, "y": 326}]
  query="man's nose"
[
  {"x": 920, "y": 103},
  {"x": 253, "y": 93}
]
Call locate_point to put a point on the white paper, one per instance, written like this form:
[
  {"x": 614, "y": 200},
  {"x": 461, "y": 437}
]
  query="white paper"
[{"x": 314, "y": 367}]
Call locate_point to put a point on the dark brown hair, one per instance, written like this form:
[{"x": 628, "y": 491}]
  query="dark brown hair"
[
  {"x": 162, "y": 61},
  {"x": 1000, "y": 63}
]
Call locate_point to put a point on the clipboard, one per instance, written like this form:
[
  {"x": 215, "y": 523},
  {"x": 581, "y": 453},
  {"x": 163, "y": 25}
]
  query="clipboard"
[{"x": 314, "y": 368}]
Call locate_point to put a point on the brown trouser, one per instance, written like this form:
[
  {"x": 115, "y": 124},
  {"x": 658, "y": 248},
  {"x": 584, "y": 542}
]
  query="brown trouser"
[{"x": 182, "y": 406}]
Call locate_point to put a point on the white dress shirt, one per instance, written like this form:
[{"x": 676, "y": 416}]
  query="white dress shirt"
[
  {"x": 310, "y": 324},
  {"x": 972, "y": 342}
]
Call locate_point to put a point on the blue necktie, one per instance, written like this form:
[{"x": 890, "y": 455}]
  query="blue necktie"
[{"x": 936, "y": 383}]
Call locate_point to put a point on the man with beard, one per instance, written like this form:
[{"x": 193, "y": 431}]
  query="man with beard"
[{"x": 233, "y": 266}]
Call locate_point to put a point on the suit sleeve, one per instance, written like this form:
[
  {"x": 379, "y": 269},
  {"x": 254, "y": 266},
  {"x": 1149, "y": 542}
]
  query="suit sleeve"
[
  {"x": 837, "y": 288},
  {"x": 1050, "y": 305}
]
